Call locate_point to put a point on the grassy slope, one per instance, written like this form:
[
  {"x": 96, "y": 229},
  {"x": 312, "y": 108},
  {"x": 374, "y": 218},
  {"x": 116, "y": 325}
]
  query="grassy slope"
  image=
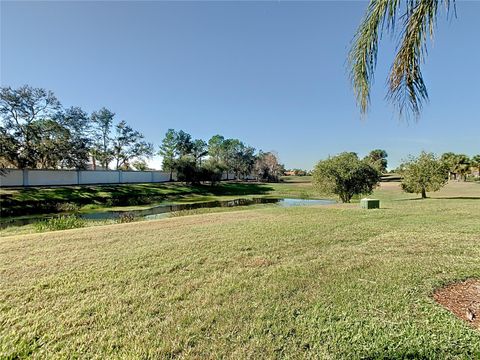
[
  {"x": 333, "y": 282},
  {"x": 124, "y": 197}
]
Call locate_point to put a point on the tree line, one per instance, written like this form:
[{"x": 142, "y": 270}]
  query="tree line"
[
  {"x": 195, "y": 160},
  {"x": 37, "y": 132},
  {"x": 346, "y": 175}
]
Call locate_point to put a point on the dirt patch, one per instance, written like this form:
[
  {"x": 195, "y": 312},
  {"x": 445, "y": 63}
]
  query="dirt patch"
[{"x": 462, "y": 299}]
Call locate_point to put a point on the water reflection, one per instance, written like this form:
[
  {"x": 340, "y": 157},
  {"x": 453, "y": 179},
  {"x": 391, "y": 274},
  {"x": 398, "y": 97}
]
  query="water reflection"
[{"x": 164, "y": 210}]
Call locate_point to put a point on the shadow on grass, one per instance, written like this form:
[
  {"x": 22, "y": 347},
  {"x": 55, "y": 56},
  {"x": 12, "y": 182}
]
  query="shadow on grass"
[
  {"x": 40, "y": 200},
  {"x": 458, "y": 198},
  {"x": 443, "y": 198}
]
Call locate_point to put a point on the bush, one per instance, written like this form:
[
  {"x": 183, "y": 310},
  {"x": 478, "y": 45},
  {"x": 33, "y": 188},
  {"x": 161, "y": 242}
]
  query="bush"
[
  {"x": 189, "y": 172},
  {"x": 67, "y": 207},
  {"x": 63, "y": 222},
  {"x": 128, "y": 200},
  {"x": 126, "y": 217},
  {"x": 345, "y": 175}
]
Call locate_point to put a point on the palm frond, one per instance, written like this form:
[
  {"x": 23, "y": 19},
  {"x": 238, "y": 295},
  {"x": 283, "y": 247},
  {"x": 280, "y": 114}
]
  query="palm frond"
[
  {"x": 407, "y": 89},
  {"x": 363, "y": 54}
]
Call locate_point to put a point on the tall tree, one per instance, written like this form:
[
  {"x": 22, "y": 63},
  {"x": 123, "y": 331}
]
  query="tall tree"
[
  {"x": 476, "y": 162},
  {"x": 423, "y": 174},
  {"x": 378, "y": 159},
  {"x": 215, "y": 147},
  {"x": 449, "y": 159},
  {"x": 184, "y": 143},
  {"x": 79, "y": 126},
  {"x": 246, "y": 160},
  {"x": 228, "y": 153},
  {"x": 242, "y": 159},
  {"x": 199, "y": 151},
  {"x": 102, "y": 148},
  {"x": 267, "y": 166},
  {"x": 52, "y": 144},
  {"x": 129, "y": 145},
  {"x": 76, "y": 121},
  {"x": 19, "y": 109},
  {"x": 168, "y": 151},
  {"x": 457, "y": 165},
  {"x": 463, "y": 166},
  {"x": 416, "y": 21}
]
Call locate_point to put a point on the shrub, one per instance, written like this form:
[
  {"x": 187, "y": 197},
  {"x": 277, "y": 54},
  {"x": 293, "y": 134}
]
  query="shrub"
[
  {"x": 67, "y": 207},
  {"x": 63, "y": 222},
  {"x": 126, "y": 217},
  {"x": 128, "y": 200},
  {"x": 345, "y": 175}
]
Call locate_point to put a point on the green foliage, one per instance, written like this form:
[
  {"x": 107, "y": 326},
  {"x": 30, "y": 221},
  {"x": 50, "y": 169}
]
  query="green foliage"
[
  {"x": 458, "y": 165},
  {"x": 102, "y": 149},
  {"x": 185, "y": 156},
  {"x": 212, "y": 171},
  {"x": 140, "y": 165},
  {"x": 199, "y": 150},
  {"x": 378, "y": 159},
  {"x": 215, "y": 147},
  {"x": 345, "y": 175},
  {"x": 129, "y": 145},
  {"x": 168, "y": 151},
  {"x": 184, "y": 143},
  {"x": 417, "y": 21},
  {"x": 190, "y": 172},
  {"x": 423, "y": 174},
  {"x": 36, "y": 133},
  {"x": 186, "y": 170},
  {"x": 63, "y": 222},
  {"x": 476, "y": 163}
]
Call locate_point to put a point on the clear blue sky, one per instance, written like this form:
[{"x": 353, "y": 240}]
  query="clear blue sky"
[{"x": 272, "y": 74}]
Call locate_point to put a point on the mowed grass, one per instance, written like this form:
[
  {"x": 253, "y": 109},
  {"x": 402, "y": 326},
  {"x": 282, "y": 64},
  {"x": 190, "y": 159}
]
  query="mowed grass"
[{"x": 271, "y": 282}]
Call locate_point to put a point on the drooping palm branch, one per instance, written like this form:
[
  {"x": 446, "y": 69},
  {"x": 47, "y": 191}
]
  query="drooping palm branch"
[{"x": 417, "y": 19}]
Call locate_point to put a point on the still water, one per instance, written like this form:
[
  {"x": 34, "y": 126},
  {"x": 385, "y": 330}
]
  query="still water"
[{"x": 163, "y": 210}]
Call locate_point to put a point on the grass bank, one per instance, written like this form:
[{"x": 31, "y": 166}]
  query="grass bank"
[
  {"x": 25, "y": 201},
  {"x": 270, "y": 282}
]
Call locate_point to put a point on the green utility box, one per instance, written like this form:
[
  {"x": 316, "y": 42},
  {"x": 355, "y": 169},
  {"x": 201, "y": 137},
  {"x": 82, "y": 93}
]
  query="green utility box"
[{"x": 370, "y": 204}]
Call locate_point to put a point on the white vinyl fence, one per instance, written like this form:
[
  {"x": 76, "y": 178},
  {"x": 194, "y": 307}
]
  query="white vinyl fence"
[{"x": 15, "y": 177}]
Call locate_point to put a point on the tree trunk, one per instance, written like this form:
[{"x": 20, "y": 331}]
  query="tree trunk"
[
  {"x": 424, "y": 193},
  {"x": 171, "y": 174}
]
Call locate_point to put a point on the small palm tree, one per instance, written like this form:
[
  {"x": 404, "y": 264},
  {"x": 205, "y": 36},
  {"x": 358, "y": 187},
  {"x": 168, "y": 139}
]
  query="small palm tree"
[
  {"x": 476, "y": 162},
  {"x": 416, "y": 19}
]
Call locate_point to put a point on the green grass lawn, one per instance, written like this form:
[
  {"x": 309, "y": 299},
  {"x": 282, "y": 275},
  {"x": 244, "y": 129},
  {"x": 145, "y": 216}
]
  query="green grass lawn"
[{"x": 269, "y": 282}]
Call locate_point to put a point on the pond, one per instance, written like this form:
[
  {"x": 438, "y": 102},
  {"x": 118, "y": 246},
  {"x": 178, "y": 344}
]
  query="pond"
[{"x": 163, "y": 210}]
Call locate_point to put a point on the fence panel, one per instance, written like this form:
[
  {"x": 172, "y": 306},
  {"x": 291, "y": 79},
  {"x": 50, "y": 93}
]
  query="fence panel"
[
  {"x": 49, "y": 177},
  {"x": 11, "y": 177},
  {"x": 98, "y": 177},
  {"x": 137, "y": 177}
]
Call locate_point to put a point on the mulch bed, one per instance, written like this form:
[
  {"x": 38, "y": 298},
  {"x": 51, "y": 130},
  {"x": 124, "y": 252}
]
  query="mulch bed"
[{"x": 462, "y": 299}]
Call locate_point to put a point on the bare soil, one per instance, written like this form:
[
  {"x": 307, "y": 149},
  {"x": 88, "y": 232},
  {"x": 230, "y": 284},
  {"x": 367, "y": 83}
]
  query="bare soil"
[{"x": 462, "y": 299}]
